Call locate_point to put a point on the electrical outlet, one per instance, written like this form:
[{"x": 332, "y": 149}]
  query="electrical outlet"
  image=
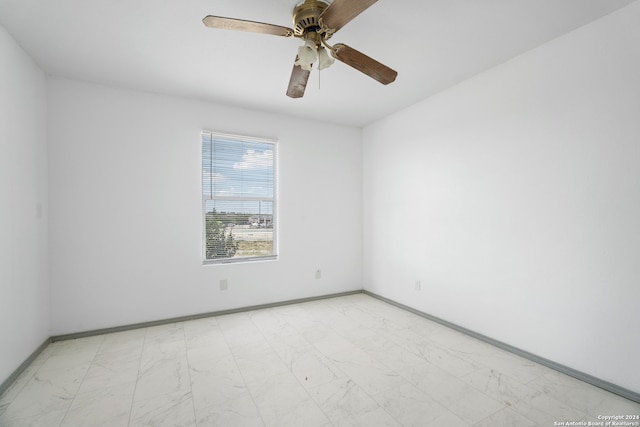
[
  {"x": 418, "y": 285},
  {"x": 318, "y": 274},
  {"x": 224, "y": 285}
]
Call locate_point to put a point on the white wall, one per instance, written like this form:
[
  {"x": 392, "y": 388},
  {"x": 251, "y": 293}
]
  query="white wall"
[
  {"x": 126, "y": 208},
  {"x": 24, "y": 287},
  {"x": 514, "y": 198}
]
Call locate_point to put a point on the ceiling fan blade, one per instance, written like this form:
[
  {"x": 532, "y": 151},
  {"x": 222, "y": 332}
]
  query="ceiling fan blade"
[
  {"x": 242, "y": 25},
  {"x": 340, "y": 12},
  {"x": 363, "y": 63},
  {"x": 298, "y": 81}
]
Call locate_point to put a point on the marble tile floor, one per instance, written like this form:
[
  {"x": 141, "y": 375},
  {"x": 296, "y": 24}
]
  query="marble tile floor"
[{"x": 347, "y": 361}]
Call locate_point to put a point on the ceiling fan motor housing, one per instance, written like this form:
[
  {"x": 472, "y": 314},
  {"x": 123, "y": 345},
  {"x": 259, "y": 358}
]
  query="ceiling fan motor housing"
[{"x": 305, "y": 16}]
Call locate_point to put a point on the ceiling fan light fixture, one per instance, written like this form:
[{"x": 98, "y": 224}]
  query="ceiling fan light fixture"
[
  {"x": 307, "y": 55},
  {"x": 324, "y": 59}
]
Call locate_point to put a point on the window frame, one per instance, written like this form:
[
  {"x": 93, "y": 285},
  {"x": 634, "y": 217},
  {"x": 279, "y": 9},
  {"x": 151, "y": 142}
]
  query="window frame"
[{"x": 274, "y": 199}]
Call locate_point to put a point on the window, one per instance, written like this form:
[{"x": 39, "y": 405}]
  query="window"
[{"x": 238, "y": 198}]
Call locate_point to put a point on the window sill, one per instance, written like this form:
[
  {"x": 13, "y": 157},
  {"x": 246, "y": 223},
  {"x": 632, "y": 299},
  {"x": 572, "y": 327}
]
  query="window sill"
[{"x": 239, "y": 260}]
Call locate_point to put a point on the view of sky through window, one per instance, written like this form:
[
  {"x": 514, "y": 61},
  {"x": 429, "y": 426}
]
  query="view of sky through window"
[{"x": 237, "y": 175}]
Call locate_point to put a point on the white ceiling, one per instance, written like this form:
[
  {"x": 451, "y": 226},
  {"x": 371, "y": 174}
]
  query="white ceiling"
[{"x": 163, "y": 47}]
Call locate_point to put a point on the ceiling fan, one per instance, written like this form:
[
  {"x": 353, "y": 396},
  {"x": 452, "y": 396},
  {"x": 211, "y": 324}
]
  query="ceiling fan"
[{"x": 315, "y": 21}]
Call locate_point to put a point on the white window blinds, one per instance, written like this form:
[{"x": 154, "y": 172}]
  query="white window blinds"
[{"x": 239, "y": 198}]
